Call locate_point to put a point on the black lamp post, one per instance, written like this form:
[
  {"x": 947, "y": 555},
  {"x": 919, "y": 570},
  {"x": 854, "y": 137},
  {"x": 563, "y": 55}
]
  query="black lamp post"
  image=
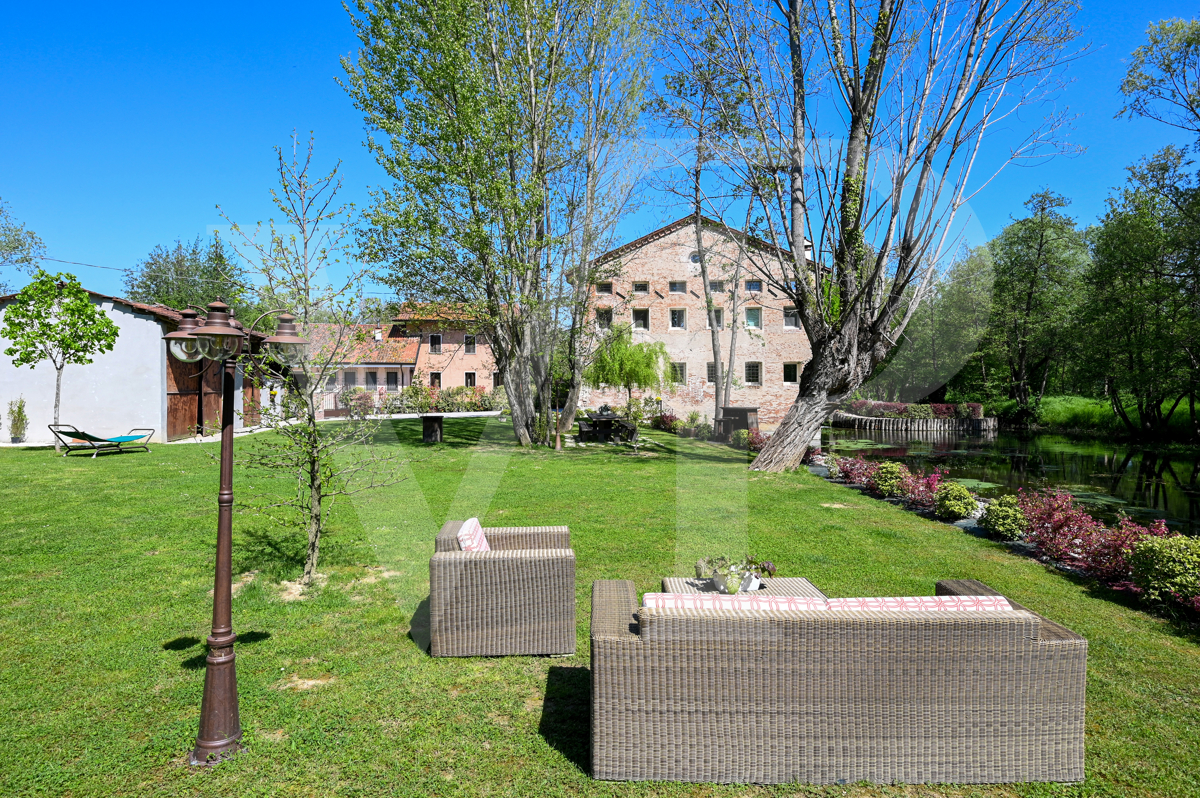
[{"x": 221, "y": 339}]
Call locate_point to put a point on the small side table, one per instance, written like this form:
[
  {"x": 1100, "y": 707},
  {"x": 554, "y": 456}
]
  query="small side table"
[{"x": 775, "y": 586}]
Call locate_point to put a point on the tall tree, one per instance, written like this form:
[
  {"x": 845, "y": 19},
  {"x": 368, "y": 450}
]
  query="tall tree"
[
  {"x": 1163, "y": 79},
  {"x": 20, "y": 247},
  {"x": 865, "y": 122},
  {"x": 622, "y": 363},
  {"x": 487, "y": 116},
  {"x": 317, "y": 462},
  {"x": 1141, "y": 301},
  {"x": 1038, "y": 261},
  {"x": 53, "y": 319},
  {"x": 191, "y": 273}
]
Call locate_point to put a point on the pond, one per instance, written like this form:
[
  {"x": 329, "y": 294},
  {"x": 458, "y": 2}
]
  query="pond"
[{"x": 1109, "y": 477}]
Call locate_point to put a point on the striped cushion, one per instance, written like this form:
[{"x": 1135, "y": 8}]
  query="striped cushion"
[
  {"x": 955, "y": 603},
  {"x": 471, "y": 537},
  {"x": 741, "y": 601}
]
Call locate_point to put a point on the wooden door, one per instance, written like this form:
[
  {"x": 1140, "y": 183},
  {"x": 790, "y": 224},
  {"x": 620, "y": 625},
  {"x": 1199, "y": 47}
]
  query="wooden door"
[{"x": 183, "y": 397}]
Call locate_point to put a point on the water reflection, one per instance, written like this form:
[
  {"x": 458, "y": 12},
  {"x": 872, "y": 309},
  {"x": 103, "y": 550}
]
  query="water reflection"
[{"x": 1109, "y": 477}]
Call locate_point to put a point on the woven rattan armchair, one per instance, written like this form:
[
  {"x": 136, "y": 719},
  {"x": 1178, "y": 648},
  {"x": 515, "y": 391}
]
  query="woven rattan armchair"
[
  {"x": 518, "y": 598},
  {"x": 833, "y": 696}
]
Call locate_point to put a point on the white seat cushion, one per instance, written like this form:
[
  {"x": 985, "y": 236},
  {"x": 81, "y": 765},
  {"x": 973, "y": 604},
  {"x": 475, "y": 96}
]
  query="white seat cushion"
[
  {"x": 471, "y": 537},
  {"x": 740, "y": 601},
  {"x": 943, "y": 603}
]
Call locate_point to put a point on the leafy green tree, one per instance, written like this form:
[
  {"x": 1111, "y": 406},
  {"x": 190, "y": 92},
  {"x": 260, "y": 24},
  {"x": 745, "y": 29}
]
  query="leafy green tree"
[
  {"x": 1163, "y": 79},
  {"x": 1141, "y": 302},
  {"x": 493, "y": 121},
  {"x": 191, "y": 273},
  {"x": 53, "y": 319},
  {"x": 1039, "y": 262},
  {"x": 619, "y": 361},
  {"x": 20, "y": 248}
]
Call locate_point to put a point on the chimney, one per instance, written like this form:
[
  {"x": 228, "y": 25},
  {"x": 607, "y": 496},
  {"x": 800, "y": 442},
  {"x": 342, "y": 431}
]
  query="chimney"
[{"x": 378, "y": 333}]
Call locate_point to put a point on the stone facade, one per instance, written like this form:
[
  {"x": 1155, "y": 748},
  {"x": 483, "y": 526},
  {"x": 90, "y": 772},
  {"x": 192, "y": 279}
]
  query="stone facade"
[{"x": 656, "y": 287}]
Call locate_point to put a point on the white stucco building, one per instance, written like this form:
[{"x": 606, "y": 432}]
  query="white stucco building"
[{"x": 135, "y": 385}]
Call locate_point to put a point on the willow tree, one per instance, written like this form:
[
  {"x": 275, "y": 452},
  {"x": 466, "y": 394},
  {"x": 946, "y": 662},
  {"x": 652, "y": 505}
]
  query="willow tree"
[
  {"x": 622, "y": 363},
  {"x": 493, "y": 121},
  {"x": 865, "y": 121}
]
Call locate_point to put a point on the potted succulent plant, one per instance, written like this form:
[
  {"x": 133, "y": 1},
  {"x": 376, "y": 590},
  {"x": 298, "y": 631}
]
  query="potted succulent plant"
[
  {"x": 18, "y": 422},
  {"x": 735, "y": 576}
]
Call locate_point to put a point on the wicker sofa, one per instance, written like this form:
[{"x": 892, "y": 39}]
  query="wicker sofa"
[
  {"x": 833, "y": 696},
  {"x": 518, "y": 598}
]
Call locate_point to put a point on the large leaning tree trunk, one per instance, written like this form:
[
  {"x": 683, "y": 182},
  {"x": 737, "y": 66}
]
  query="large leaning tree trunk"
[{"x": 864, "y": 122}]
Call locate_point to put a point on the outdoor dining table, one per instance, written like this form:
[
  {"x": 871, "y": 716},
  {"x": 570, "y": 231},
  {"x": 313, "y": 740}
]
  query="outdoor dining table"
[{"x": 603, "y": 422}]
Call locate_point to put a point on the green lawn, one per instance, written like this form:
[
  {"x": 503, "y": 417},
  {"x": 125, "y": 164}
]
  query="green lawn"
[{"x": 105, "y": 570}]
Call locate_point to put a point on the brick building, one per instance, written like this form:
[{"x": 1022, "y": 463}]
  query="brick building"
[
  {"x": 656, "y": 288},
  {"x": 386, "y": 358}
]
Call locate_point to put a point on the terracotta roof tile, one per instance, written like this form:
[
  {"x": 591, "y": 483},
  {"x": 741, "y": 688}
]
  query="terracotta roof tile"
[{"x": 358, "y": 344}]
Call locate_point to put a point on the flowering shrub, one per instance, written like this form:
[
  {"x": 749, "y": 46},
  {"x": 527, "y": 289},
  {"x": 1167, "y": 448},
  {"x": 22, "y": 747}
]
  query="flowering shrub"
[
  {"x": 667, "y": 422},
  {"x": 953, "y": 501},
  {"x": 755, "y": 440},
  {"x": 865, "y": 407},
  {"x": 1064, "y": 531},
  {"x": 854, "y": 470},
  {"x": 920, "y": 489}
]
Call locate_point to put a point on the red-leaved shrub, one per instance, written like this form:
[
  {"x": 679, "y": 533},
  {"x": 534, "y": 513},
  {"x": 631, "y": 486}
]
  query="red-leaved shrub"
[
  {"x": 919, "y": 488},
  {"x": 1105, "y": 551},
  {"x": 854, "y": 470},
  {"x": 942, "y": 410},
  {"x": 756, "y": 441},
  {"x": 666, "y": 422}
]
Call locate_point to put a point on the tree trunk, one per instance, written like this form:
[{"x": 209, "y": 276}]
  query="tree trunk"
[
  {"x": 315, "y": 498},
  {"x": 785, "y": 449},
  {"x": 57, "y": 395}
]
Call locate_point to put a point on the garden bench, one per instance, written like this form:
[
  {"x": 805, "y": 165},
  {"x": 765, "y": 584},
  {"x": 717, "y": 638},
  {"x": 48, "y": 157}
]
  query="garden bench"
[
  {"x": 585, "y": 431},
  {"x": 629, "y": 430}
]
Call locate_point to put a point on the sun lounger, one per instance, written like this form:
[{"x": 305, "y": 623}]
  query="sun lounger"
[{"x": 75, "y": 439}]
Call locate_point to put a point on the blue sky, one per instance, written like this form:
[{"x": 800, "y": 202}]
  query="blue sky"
[{"x": 124, "y": 126}]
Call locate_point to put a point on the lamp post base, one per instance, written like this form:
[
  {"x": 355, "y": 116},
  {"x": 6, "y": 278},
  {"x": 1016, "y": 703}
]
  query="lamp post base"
[{"x": 213, "y": 753}]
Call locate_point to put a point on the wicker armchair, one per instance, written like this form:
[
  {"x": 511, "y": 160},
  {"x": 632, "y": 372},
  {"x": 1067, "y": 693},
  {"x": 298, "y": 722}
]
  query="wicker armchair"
[
  {"x": 518, "y": 598},
  {"x": 833, "y": 696}
]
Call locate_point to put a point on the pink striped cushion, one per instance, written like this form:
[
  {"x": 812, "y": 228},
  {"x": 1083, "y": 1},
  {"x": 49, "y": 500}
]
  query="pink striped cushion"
[
  {"x": 956, "y": 603},
  {"x": 721, "y": 601},
  {"x": 471, "y": 537}
]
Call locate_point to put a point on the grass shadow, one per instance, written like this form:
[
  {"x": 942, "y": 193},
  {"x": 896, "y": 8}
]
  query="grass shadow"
[
  {"x": 180, "y": 643},
  {"x": 418, "y": 627},
  {"x": 566, "y": 714},
  {"x": 195, "y": 663},
  {"x": 277, "y": 556}
]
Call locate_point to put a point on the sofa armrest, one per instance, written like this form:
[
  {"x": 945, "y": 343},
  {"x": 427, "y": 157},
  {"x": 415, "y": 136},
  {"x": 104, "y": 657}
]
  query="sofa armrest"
[
  {"x": 614, "y": 610},
  {"x": 492, "y": 603},
  {"x": 1050, "y": 631},
  {"x": 447, "y": 537}
]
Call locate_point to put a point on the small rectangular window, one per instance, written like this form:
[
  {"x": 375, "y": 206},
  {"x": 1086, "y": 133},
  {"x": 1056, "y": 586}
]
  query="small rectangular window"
[
  {"x": 469, "y": 379},
  {"x": 372, "y": 380},
  {"x": 679, "y": 372},
  {"x": 604, "y": 317},
  {"x": 678, "y": 319},
  {"x": 435, "y": 379},
  {"x": 754, "y": 318},
  {"x": 754, "y": 286},
  {"x": 469, "y": 344},
  {"x": 349, "y": 379},
  {"x": 712, "y": 372},
  {"x": 393, "y": 381},
  {"x": 603, "y": 288},
  {"x": 790, "y": 372},
  {"x": 435, "y": 344},
  {"x": 641, "y": 288},
  {"x": 641, "y": 318},
  {"x": 719, "y": 314},
  {"x": 791, "y": 317},
  {"x": 753, "y": 373},
  {"x": 716, "y": 286},
  {"x": 678, "y": 286},
  {"x": 497, "y": 380}
]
